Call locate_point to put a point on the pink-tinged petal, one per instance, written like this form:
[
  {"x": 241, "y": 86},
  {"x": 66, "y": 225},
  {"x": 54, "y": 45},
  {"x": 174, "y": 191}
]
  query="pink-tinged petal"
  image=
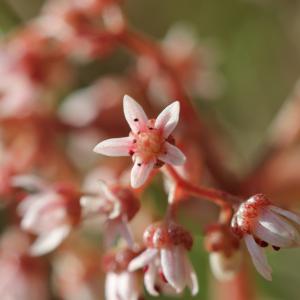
[
  {"x": 125, "y": 232},
  {"x": 134, "y": 114},
  {"x": 272, "y": 237},
  {"x": 168, "y": 118},
  {"x": 110, "y": 196},
  {"x": 143, "y": 259},
  {"x": 287, "y": 214},
  {"x": 280, "y": 227},
  {"x": 111, "y": 287},
  {"x": 33, "y": 207},
  {"x": 172, "y": 155},
  {"x": 27, "y": 203},
  {"x": 149, "y": 280},
  {"x": 128, "y": 286},
  {"x": 173, "y": 267},
  {"x": 258, "y": 257},
  {"x": 114, "y": 147},
  {"x": 191, "y": 276},
  {"x": 140, "y": 172},
  {"x": 49, "y": 241}
]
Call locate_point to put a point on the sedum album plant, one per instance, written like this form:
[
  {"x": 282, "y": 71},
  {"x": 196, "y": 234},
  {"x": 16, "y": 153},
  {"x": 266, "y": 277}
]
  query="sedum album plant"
[{"x": 61, "y": 201}]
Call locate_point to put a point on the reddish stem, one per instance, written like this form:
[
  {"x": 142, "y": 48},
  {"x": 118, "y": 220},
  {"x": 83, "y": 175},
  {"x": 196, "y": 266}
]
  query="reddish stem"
[{"x": 223, "y": 199}]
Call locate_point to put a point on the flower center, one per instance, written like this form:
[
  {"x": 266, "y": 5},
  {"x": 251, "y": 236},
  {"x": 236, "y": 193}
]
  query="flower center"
[{"x": 149, "y": 143}]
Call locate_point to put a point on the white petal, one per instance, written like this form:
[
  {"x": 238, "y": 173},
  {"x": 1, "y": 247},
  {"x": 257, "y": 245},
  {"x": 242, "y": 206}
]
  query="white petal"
[
  {"x": 114, "y": 147},
  {"x": 111, "y": 286},
  {"x": 143, "y": 259},
  {"x": 107, "y": 192},
  {"x": 149, "y": 280},
  {"x": 288, "y": 214},
  {"x": 173, "y": 267},
  {"x": 225, "y": 267},
  {"x": 168, "y": 118},
  {"x": 128, "y": 288},
  {"x": 191, "y": 276},
  {"x": 48, "y": 242},
  {"x": 134, "y": 114},
  {"x": 91, "y": 204},
  {"x": 258, "y": 257},
  {"x": 27, "y": 203},
  {"x": 140, "y": 172},
  {"x": 173, "y": 155},
  {"x": 28, "y": 181},
  {"x": 273, "y": 237},
  {"x": 34, "y": 208},
  {"x": 280, "y": 227}
]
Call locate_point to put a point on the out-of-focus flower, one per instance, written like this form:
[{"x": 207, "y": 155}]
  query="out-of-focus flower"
[
  {"x": 195, "y": 65},
  {"x": 224, "y": 254},
  {"x": 260, "y": 224},
  {"x": 77, "y": 272},
  {"x": 22, "y": 277},
  {"x": 95, "y": 103},
  {"x": 31, "y": 66},
  {"x": 166, "y": 254},
  {"x": 76, "y": 23},
  {"x": 117, "y": 205},
  {"x": 149, "y": 142},
  {"x": 50, "y": 213},
  {"x": 120, "y": 283}
]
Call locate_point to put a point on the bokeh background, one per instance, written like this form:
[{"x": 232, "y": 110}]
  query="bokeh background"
[{"x": 258, "y": 45}]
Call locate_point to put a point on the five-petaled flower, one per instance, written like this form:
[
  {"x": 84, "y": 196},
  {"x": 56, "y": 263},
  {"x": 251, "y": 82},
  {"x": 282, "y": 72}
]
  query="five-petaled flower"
[
  {"x": 50, "y": 213},
  {"x": 117, "y": 206},
  {"x": 149, "y": 142},
  {"x": 260, "y": 224},
  {"x": 166, "y": 254}
]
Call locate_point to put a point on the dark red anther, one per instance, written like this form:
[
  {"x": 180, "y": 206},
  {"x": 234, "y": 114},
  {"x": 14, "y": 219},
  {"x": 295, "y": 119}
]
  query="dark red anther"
[{"x": 162, "y": 276}]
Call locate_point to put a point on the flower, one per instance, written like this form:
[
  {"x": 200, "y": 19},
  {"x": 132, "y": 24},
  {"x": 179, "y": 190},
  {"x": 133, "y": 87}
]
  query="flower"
[
  {"x": 166, "y": 254},
  {"x": 77, "y": 271},
  {"x": 22, "y": 276},
  {"x": 120, "y": 283},
  {"x": 224, "y": 252},
  {"x": 50, "y": 213},
  {"x": 260, "y": 224},
  {"x": 117, "y": 205},
  {"x": 149, "y": 142}
]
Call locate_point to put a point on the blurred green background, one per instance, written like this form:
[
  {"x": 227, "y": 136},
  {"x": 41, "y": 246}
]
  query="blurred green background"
[{"x": 260, "y": 60}]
